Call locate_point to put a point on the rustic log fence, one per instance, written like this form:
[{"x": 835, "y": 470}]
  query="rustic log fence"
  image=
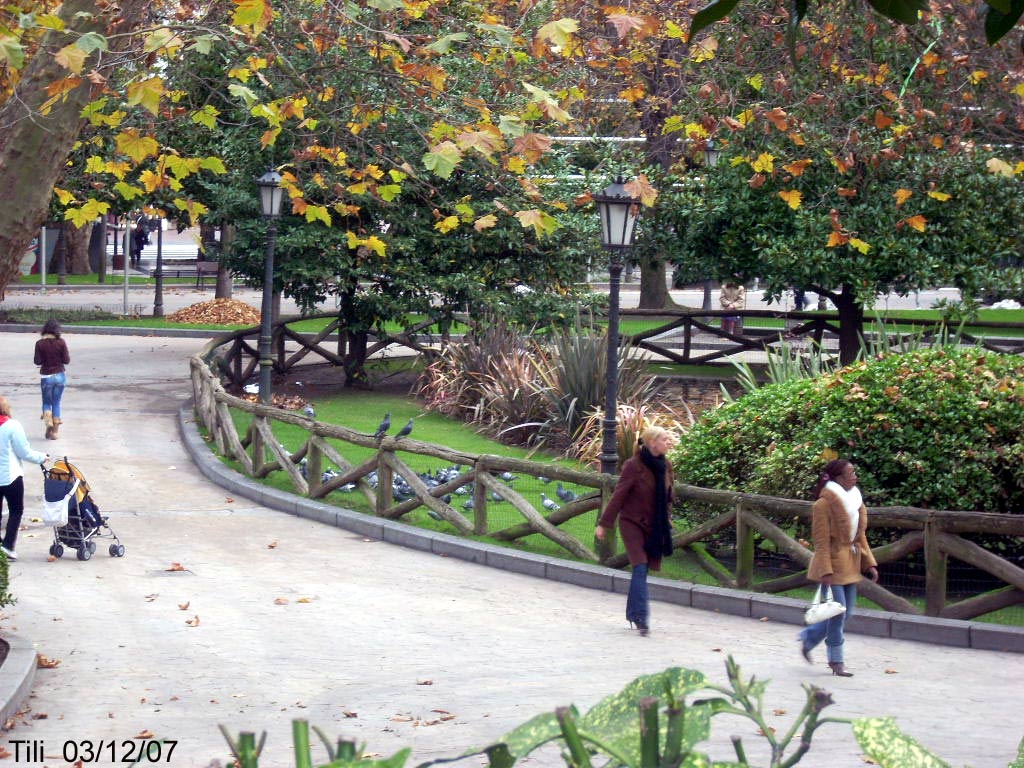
[{"x": 938, "y": 534}]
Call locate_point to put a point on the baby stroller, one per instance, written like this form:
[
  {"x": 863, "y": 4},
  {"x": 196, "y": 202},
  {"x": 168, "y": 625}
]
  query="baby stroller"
[{"x": 75, "y": 518}]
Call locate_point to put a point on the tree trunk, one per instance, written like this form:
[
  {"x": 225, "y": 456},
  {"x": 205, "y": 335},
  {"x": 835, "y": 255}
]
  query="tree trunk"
[
  {"x": 355, "y": 359},
  {"x": 851, "y": 324},
  {"x": 224, "y": 285},
  {"x": 654, "y": 292},
  {"x": 33, "y": 145},
  {"x": 77, "y": 240}
]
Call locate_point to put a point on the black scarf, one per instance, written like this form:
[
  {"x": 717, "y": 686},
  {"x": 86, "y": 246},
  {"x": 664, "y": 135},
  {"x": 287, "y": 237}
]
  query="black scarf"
[{"x": 659, "y": 540}]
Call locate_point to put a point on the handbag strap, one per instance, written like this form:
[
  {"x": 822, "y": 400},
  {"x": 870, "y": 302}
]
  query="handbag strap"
[{"x": 824, "y": 592}]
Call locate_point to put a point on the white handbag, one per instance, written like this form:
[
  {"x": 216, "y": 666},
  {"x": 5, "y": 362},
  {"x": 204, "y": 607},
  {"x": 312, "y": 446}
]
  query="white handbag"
[{"x": 823, "y": 606}]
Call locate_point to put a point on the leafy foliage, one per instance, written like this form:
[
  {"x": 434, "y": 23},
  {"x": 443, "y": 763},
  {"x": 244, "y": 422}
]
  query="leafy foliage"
[{"x": 936, "y": 428}]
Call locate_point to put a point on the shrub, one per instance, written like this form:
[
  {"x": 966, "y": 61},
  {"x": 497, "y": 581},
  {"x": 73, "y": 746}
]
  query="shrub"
[{"x": 939, "y": 428}]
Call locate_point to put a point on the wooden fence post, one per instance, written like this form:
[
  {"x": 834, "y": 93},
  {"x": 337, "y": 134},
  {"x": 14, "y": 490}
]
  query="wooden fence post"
[
  {"x": 314, "y": 467},
  {"x": 385, "y": 483},
  {"x": 744, "y": 549},
  {"x": 936, "y": 564}
]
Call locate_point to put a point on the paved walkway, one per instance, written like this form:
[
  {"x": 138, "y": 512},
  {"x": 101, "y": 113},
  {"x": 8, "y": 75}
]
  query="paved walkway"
[{"x": 274, "y": 618}]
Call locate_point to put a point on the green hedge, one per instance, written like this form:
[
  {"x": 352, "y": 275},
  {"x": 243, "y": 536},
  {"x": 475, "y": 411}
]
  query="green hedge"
[{"x": 941, "y": 428}]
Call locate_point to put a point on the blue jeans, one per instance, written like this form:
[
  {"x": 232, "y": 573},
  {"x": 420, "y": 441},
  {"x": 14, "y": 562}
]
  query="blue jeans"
[
  {"x": 52, "y": 387},
  {"x": 637, "y": 604},
  {"x": 831, "y": 631}
]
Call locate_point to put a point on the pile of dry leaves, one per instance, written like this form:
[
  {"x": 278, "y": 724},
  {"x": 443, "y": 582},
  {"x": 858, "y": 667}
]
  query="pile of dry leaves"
[{"x": 218, "y": 312}]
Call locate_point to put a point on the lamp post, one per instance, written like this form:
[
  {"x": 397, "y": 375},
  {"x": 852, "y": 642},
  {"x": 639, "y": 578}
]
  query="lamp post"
[
  {"x": 271, "y": 195},
  {"x": 711, "y": 155},
  {"x": 619, "y": 213}
]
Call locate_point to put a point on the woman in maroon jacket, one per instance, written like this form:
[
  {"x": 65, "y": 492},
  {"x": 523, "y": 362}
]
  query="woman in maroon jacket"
[
  {"x": 642, "y": 502},
  {"x": 51, "y": 357}
]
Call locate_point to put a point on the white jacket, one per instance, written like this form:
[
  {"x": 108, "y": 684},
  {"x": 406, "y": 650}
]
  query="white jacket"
[{"x": 14, "y": 449}]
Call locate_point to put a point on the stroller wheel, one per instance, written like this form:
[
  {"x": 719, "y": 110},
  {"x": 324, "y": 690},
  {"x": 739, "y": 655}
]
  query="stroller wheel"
[
  {"x": 84, "y": 553},
  {"x": 92, "y": 547},
  {"x": 57, "y": 550},
  {"x": 117, "y": 550}
]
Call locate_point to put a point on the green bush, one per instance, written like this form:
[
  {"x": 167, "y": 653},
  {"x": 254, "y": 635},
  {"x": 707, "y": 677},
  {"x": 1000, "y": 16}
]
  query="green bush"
[
  {"x": 941, "y": 428},
  {"x": 5, "y": 596}
]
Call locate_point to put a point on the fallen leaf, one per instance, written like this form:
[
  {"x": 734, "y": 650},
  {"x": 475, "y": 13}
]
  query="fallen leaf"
[
  {"x": 891, "y": 672},
  {"x": 778, "y": 711},
  {"x": 441, "y": 711},
  {"x": 152, "y": 597},
  {"x": 764, "y": 618},
  {"x": 183, "y": 606},
  {"x": 174, "y": 698},
  {"x": 193, "y": 622},
  {"x": 44, "y": 663},
  {"x": 110, "y": 715},
  {"x": 144, "y": 734},
  {"x": 304, "y": 600},
  {"x": 350, "y": 714},
  {"x": 760, "y": 731},
  {"x": 424, "y": 682},
  {"x": 229, "y": 500},
  {"x": 175, "y": 567},
  {"x": 39, "y": 716},
  {"x": 868, "y": 760},
  {"x": 51, "y": 559},
  {"x": 272, "y": 545},
  {"x": 280, "y": 601},
  {"x": 717, "y": 650},
  {"x": 401, "y": 719}
]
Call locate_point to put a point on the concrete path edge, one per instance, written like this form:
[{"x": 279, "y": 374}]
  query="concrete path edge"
[
  {"x": 762, "y": 607},
  {"x": 17, "y": 674}
]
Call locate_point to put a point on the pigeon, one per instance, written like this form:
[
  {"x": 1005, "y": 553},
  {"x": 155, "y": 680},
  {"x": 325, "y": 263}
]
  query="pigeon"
[
  {"x": 468, "y": 504},
  {"x": 497, "y": 496},
  {"x": 308, "y": 410},
  {"x": 385, "y": 425},
  {"x": 508, "y": 477},
  {"x": 434, "y": 514},
  {"x": 565, "y": 494},
  {"x": 405, "y": 430},
  {"x": 548, "y": 504},
  {"x": 543, "y": 479}
]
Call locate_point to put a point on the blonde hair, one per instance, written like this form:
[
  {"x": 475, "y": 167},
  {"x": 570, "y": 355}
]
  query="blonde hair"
[
  {"x": 5, "y": 407},
  {"x": 652, "y": 433}
]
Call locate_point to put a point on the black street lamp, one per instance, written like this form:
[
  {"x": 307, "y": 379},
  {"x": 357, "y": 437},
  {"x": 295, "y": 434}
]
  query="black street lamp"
[
  {"x": 271, "y": 195},
  {"x": 619, "y": 213}
]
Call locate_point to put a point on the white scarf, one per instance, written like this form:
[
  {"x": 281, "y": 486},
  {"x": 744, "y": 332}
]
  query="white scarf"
[{"x": 852, "y": 501}]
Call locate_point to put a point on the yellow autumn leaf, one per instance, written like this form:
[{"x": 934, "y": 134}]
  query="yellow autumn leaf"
[
  {"x": 902, "y": 195},
  {"x": 541, "y": 222},
  {"x": 746, "y": 117},
  {"x": 705, "y": 50},
  {"x": 151, "y": 181},
  {"x": 376, "y": 245},
  {"x": 138, "y": 147},
  {"x": 859, "y": 245},
  {"x": 977, "y": 76},
  {"x": 1001, "y": 167},
  {"x": 71, "y": 57},
  {"x": 792, "y": 197},
  {"x": 797, "y": 167},
  {"x": 1019, "y": 90},
  {"x": 559, "y": 32},
  {"x": 516, "y": 164},
  {"x": 318, "y": 213},
  {"x": 485, "y": 222},
  {"x": 633, "y": 94},
  {"x": 835, "y": 239},
  {"x": 89, "y": 212},
  {"x": 940, "y": 196},
  {"x": 207, "y": 116},
  {"x": 1018, "y": 168},
  {"x": 147, "y": 94},
  {"x": 765, "y": 163},
  {"x": 917, "y": 222},
  {"x": 64, "y": 196},
  {"x": 447, "y": 224},
  {"x": 255, "y": 14},
  {"x": 695, "y": 131},
  {"x": 756, "y": 82}
]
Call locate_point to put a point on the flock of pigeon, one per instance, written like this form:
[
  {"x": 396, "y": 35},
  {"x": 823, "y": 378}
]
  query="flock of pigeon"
[{"x": 402, "y": 491}]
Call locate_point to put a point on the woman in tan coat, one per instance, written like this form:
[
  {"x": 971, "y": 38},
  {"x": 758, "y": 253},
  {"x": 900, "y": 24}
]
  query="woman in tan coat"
[
  {"x": 641, "y": 502},
  {"x": 841, "y": 554}
]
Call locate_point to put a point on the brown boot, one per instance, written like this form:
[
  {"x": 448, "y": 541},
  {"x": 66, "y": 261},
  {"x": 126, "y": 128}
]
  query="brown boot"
[{"x": 51, "y": 432}]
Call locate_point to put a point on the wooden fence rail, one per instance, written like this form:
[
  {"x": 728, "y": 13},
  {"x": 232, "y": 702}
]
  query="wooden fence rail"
[{"x": 750, "y": 517}]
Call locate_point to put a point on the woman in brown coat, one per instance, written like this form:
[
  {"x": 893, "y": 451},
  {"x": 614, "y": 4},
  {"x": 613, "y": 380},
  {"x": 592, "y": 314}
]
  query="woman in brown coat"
[
  {"x": 841, "y": 554},
  {"x": 51, "y": 355},
  {"x": 641, "y": 502}
]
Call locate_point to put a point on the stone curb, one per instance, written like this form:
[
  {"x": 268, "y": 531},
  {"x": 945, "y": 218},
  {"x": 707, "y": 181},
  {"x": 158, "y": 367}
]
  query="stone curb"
[
  {"x": 755, "y": 605},
  {"x": 17, "y": 674},
  {"x": 113, "y": 330}
]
